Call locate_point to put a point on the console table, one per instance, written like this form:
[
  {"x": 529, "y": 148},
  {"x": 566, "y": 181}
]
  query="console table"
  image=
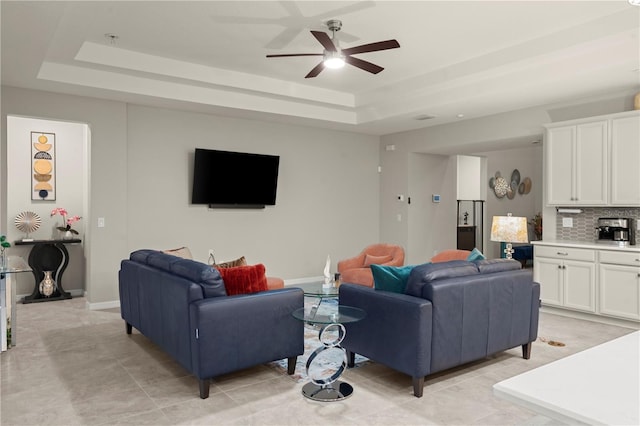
[{"x": 48, "y": 255}]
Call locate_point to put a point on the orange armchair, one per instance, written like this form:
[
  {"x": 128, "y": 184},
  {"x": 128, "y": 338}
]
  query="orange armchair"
[{"x": 356, "y": 269}]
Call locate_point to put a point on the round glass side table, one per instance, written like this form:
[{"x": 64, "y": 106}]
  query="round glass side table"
[{"x": 326, "y": 386}]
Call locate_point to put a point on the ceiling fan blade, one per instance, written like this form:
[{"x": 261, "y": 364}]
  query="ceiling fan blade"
[
  {"x": 315, "y": 71},
  {"x": 372, "y": 47},
  {"x": 367, "y": 66},
  {"x": 324, "y": 40},
  {"x": 294, "y": 54}
]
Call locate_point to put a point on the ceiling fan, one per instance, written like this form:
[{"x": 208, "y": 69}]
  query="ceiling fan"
[{"x": 334, "y": 57}]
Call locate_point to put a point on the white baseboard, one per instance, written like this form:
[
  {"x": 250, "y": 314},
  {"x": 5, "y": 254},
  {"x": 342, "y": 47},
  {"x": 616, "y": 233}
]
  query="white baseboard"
[
  {"x": 76, "y": 292},
  {"x": 296, "y": 281},
  {"x": 635, "y": 325},
  {"x": 103, "y": 305}
]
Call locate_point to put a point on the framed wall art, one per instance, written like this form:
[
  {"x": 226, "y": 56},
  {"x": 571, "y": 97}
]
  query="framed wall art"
[{"x": 43, "y": 166}]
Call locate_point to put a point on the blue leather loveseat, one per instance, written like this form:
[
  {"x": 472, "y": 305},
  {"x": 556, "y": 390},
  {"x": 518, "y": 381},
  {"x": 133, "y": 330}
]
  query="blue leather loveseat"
[
  {"x": 182, "y": 306},
  {"x": 450, "y": 313}
]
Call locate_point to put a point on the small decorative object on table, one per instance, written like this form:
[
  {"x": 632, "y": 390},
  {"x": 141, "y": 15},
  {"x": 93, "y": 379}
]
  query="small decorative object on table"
[
  {"x": 68, "y": 232},
  {"x": 4, "y": 244},
  {"x": 327, "y": 273},
  {"x": 47, "y": 285},
  {"x": 28, "y": 222},
  {"x": 536, "y": 222}
]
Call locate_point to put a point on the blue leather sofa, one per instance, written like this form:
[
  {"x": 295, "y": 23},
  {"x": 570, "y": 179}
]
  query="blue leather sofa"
[
  {"x": 451, "y": 313},
  {"x": 182, "y": 306}
]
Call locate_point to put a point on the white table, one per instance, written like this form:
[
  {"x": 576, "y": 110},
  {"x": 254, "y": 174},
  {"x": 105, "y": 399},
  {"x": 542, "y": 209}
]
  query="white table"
[{"x": 600, "y": 385}]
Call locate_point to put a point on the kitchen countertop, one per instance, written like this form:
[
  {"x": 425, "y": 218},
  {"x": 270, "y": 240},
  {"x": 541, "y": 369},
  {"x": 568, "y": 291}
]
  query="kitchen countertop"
[{"x": 589, "y": 245}]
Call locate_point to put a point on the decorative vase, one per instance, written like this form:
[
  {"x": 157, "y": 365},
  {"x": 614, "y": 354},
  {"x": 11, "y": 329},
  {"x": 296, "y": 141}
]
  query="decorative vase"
[
  {"x": 47, "y": 285},
  {"x": 67, "y": 235}
]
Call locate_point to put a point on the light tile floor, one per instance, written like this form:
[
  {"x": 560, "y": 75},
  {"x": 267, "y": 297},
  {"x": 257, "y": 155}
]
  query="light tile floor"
[{"x": 73, "y": 366}]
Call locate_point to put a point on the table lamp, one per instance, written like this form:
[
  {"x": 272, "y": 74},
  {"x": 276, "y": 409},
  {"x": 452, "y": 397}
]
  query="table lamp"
[{"x": 509, "y": 229}]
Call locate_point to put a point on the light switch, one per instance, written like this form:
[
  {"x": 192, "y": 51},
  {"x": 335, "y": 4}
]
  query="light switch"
[{"x": 101, "y": 222}]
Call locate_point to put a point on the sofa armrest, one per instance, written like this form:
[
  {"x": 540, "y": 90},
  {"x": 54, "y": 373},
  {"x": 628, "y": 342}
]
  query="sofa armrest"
[
  {"x": 396, "y": 331},
  {"x": 235, "y": 332}
]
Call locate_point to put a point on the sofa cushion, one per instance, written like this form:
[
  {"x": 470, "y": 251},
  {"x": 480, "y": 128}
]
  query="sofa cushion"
[
  {"x": 391, "y": 278},
  {"x": 182, "y": 252},
  {"x": 376, "y": 260},
  {"x": 244, "y": 279},
  {"x": 241, "y": 261},
  {"x": 489, "y": 266},
  {"x": 475, "y": 255},
  {"x": 428, "y": 272}
]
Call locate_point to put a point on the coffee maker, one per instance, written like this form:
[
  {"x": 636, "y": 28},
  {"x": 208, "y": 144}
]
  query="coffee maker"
[{"x": 614, "y": 229}]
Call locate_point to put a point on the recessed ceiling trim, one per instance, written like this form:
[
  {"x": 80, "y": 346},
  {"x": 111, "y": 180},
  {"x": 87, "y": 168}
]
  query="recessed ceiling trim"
[
  {"x": 130, "y": 60},
  {"x": 75, "y": 75}
]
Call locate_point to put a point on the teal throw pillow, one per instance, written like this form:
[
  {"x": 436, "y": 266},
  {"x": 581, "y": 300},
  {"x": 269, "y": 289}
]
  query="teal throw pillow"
[
  {"x": 391, "y": 278},
  {"x": 475, "y": 255}
]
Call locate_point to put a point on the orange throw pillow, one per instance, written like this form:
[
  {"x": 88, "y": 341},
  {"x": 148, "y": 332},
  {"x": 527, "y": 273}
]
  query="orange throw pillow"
[
  {"x": 376, "y": 260},
  {"x": 244, "y": 279}
]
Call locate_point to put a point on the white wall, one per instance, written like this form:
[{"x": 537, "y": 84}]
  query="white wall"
[
  {"x": 327, "y": 200},
  {"x": 107, "y": 120},
  {"x": 432, "y": 225},
  {"x": 459, "y": 138},
  {"x": 328, "y": 196},
  {"x": 70, "y": 153},
  {"x": 528, "y": 161}
]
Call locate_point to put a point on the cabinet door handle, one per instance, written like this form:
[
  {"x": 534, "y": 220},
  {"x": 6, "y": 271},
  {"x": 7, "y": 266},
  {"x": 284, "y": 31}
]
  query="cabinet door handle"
[
  {"x": 562, "y": 254},
  {"x": 637, "y": 260}
]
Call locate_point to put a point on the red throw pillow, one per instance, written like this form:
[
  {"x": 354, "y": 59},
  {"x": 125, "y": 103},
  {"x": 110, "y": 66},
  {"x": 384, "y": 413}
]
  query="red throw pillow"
[{"x": 244, "y": 279}]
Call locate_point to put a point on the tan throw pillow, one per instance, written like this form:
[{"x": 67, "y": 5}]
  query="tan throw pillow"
[
  {"x": 182, "y": 252},
  {"x": 232, "y": 263}
]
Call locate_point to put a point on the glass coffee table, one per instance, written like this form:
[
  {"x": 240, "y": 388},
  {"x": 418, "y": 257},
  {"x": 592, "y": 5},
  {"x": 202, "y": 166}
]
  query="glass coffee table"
[
  {"x": 324, "y": 385},
  {"x": 318, "y": 292}
]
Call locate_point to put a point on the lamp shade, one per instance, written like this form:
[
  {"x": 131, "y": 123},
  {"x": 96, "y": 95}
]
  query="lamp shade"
[{"x": 509, "y": 229}]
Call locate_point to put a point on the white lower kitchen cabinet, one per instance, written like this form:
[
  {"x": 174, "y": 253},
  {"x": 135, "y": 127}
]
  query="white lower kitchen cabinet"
[
  {"x": 619, "y": 277},
  {"x": 567, "y": 277}
]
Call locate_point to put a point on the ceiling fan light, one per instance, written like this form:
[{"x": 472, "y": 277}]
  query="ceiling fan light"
[
  {"x": 334, "y": 63},
  {"x": 634, "y": 2}
]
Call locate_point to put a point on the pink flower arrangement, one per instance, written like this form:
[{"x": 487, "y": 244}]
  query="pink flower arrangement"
[{"x": 66, "y": 221}]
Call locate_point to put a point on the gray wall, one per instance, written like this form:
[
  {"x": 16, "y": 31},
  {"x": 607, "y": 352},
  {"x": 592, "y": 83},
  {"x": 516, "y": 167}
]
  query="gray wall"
[
  {"x": 141, "y": 159},
  {"x": 405, "y": 172},
  {"x": 528, "y": 161}
]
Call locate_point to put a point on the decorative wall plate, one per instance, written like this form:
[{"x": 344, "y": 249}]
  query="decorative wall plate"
[
  {"x": 511, "y": 191},
  {"x": 527, "y": 185},
  {"x": 515, "y": 177},
  {"x": 501, "y": 187}
]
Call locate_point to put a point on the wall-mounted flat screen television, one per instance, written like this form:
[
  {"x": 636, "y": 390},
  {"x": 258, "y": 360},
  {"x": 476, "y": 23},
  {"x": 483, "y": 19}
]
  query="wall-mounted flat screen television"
[{"x": 227, "y": 179}]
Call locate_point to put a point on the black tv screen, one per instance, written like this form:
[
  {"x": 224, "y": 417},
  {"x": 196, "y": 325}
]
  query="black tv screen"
[{"x": 234, "y": 179}]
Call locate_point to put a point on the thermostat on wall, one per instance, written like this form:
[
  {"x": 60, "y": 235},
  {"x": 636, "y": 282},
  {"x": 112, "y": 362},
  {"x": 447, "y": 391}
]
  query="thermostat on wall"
[{"x": 435, "y": 198}]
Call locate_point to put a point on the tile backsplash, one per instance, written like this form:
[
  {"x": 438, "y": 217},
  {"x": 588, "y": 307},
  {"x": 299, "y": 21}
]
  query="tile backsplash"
[{"x": 584, "y": 223}]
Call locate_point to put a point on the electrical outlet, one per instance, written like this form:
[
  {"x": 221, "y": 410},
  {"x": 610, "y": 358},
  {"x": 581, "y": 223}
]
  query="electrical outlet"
[{"x": 567, "y": 222}]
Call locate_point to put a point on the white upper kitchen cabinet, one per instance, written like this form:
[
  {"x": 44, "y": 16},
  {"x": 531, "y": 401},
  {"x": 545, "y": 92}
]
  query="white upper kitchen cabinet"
[{"x": 576, "y": 163}]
